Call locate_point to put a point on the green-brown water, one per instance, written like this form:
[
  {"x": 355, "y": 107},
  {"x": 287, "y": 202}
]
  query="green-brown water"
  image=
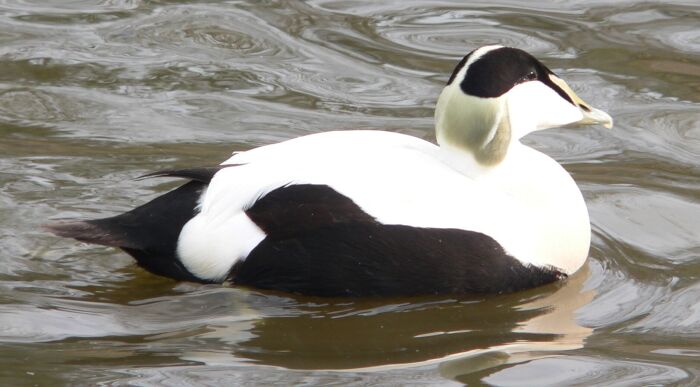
[{"x": 94, "y": 93}]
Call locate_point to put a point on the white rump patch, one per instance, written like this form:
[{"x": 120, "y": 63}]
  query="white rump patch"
[{"x": 210, "y": 244}]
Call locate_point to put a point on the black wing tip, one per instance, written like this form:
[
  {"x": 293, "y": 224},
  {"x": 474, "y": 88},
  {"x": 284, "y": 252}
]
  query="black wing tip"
[
  {"x": 201, "y": 174},
  {"x": 198, "y": 174},
  {"x": 84, "y": 231}
]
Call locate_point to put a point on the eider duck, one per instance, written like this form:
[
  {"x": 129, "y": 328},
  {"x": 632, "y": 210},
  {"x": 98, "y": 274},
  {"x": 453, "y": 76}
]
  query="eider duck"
[{"x": 375, "y": 213}]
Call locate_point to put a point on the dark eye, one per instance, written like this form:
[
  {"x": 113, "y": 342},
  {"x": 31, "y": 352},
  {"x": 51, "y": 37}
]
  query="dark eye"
[{"x": 530, "y": 76}]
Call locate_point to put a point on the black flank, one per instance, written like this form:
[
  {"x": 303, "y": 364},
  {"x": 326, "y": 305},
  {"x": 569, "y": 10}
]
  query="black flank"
[
  {"x": 321, "y": 243},
  {"x": 299, "y": 209},
  {"x": 318, "y": 242}
]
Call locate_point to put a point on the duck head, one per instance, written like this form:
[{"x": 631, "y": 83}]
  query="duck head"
[{"x": 496, "y": 95}]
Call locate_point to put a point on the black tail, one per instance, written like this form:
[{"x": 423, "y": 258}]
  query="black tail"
[{"x": 150, "y": 232}]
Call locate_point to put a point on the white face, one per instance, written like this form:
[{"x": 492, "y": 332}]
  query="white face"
[{"x": 535, "y": 106}]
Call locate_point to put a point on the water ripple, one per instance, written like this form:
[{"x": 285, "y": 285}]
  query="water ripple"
[
  {"x": 586, "y": 371},
  {"x": 94, "y": 93},
  {"x": 678, "y": 315}
]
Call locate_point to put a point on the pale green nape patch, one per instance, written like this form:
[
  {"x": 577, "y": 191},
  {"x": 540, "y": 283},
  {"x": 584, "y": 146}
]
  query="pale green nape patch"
[
  {"x": 476, "y": 125},
  {"x": 495, "y": 150}
]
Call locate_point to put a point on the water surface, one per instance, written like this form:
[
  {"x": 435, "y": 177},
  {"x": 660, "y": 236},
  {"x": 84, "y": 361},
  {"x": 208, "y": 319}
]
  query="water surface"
[{"x": 95, "y": 93}]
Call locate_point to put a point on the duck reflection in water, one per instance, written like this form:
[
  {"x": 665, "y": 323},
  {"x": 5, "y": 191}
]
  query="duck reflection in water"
[{"x": 462, "y": 335}]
